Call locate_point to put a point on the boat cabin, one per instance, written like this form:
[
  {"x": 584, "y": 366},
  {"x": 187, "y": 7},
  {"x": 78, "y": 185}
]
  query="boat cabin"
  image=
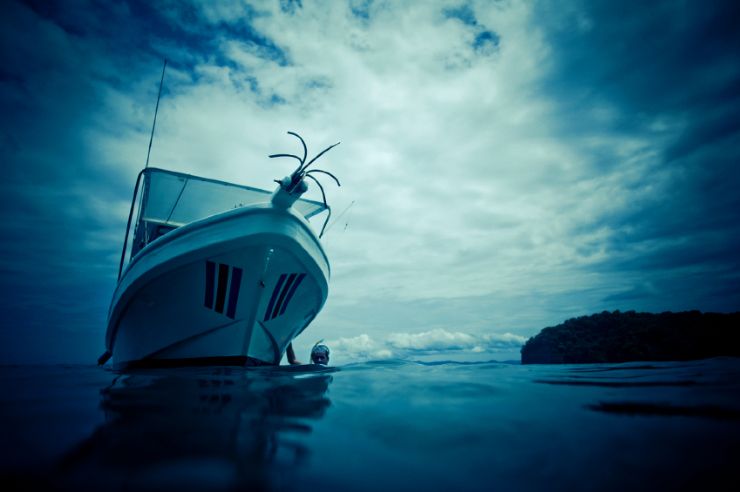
[{"x": 170, "y": 199}]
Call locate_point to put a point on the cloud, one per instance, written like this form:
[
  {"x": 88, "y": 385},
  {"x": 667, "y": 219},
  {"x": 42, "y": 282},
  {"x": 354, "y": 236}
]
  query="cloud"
[
  {"x": 669, "y": 87},
  {"x": 510, "y": 164},
  {"x": 434, "y": 342},
  {"x": 440, "y": 340},
  {"x": 361, "y": 347}
]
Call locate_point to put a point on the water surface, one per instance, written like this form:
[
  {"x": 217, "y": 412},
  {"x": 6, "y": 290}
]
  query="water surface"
[{"x": 386, "y": 425}]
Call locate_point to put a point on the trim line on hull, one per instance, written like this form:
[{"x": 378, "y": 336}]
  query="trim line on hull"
[
  {"x": 223, "y": 279},
  {"x": 291, "y": 292},
  {"x": 275, "y": 292}
]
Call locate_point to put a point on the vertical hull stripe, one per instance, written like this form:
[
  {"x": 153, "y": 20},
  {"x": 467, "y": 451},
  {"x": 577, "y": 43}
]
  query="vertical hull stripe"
[
  {"x": 291, "y": 278},
  {"x": 274, "y": 296},
  {"x": 291, "y": 292},
  {"x": 210, "y": 280},
  {"x": 223, "y": 279},
  {"x": 236, "y": 280}
]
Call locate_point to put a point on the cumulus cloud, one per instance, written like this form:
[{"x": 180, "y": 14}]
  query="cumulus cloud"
[
  {"x": 443, "y": 340},
  {"x": 433, "y": 342},
  {"x": 361, "y": 347}
]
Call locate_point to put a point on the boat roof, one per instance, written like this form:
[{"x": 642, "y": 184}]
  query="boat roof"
[{"x": 176, "y": 198}]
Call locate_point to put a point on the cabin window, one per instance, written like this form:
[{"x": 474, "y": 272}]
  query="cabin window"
[{"x": 161, "y": 230}]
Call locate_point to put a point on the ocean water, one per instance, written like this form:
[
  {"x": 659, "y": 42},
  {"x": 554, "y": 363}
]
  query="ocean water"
[{"x": 390, "y": 425}]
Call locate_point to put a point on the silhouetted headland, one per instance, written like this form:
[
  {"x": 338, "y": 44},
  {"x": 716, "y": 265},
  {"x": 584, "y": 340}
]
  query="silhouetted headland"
[{"x": 630, "y": 336}]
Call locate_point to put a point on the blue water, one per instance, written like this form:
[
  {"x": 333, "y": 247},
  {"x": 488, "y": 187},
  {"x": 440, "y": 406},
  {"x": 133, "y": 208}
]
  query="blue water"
[{"x": 374, "y": 426}]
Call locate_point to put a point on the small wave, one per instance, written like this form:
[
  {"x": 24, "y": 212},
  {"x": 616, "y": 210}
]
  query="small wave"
[
  {"x": 378, "y": 363},
  {"x": 666, "y": 410},
  {"x": 464, "y": 363},
  {"x": 409, "y": 362},
  {"x": 301, "y": 369},
  {"x": 615, "y": 384},
  {"x": 617, "y": 367}
]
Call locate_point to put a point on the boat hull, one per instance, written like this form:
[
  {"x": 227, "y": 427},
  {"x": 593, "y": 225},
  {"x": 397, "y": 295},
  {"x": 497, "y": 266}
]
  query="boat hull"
[{"x": 232, "y": 288}]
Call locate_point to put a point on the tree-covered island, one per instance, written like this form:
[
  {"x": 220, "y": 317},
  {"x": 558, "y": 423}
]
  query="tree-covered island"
[{"x": 630, "y": 336}]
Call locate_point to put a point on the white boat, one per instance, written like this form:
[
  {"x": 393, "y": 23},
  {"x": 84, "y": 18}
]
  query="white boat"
[{"x": 217, "y": 273}]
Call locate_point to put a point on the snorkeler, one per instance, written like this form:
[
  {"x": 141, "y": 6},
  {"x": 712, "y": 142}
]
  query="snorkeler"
[{"x": 320, "y": 353}]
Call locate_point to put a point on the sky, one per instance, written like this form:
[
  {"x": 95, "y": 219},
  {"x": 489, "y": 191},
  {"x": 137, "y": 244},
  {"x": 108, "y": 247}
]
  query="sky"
[{"x": 507, "y": 164}]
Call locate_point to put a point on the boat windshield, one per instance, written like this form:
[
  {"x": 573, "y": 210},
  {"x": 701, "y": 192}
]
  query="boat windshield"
[{"x": 172, "y": 199}]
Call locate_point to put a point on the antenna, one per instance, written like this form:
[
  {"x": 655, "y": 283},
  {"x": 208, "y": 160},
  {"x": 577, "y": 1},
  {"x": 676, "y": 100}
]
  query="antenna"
[
  {"x": 136, "y": 189},
  {"x": 156, "y": 109}
]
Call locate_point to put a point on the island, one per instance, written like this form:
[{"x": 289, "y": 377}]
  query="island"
[{"x": 630, "y": 336}]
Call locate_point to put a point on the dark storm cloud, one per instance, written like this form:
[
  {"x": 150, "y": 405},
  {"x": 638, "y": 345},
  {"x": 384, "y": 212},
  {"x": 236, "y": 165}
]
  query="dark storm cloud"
[
  {"x": 671, "y": 71},
  {"x": 665, "y": 56},
  {"x": 136, "y": 28}
]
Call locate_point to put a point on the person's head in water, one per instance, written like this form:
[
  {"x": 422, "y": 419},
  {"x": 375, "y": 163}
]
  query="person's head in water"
[{"x": 320, "y": 354}]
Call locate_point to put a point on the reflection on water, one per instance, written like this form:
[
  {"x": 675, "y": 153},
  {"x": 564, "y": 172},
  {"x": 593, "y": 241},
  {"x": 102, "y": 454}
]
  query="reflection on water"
[{"x": 221, "y": 428}]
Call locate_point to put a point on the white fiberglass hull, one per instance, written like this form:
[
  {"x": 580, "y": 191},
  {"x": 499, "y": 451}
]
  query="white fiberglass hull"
[{"x": 235, "y": 287}]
